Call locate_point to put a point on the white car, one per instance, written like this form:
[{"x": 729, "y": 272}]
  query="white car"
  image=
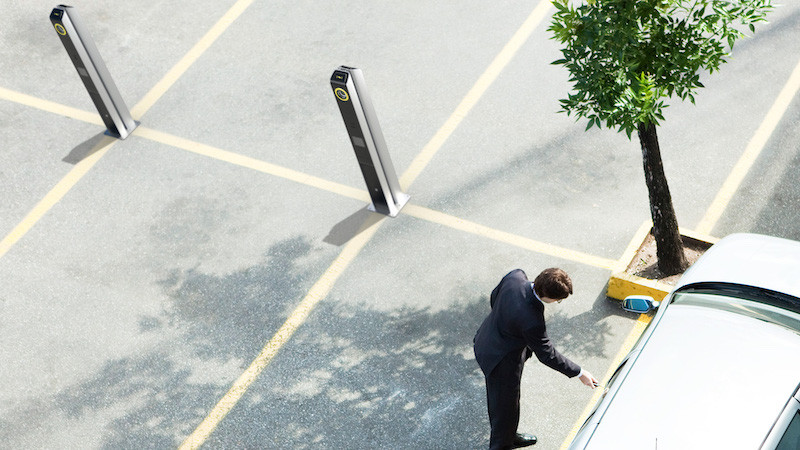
[{"x": 718, "y": 367}]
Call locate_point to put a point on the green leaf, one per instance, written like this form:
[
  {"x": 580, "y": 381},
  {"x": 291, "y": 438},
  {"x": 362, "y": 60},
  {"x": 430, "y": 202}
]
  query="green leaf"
[{"x": 625, "y": 57}]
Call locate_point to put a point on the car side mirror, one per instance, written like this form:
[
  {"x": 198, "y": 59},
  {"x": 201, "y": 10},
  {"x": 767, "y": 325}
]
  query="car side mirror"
[{"x": 641, "y": 304}]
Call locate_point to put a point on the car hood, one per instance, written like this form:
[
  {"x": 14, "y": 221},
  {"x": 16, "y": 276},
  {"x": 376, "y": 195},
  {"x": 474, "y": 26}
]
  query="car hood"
[{"x": 706, "y": 378}]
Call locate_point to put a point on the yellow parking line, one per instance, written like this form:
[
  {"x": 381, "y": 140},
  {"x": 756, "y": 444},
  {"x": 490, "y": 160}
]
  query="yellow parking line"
[
  {"x": 317, "y": 293},
  {"x": 193, "y": 55},
  {"x": 478, "y": 89},
  {"x": 627, "y": 345},
  {"x": 419, "y": 212},
  {"x": 56, "y": 194},
  {"x": 751, "y": 153},
  {"x": 252, "y": 163},
  {"x": 52, "y": 107},
  {"x": 447, "y": 220}
]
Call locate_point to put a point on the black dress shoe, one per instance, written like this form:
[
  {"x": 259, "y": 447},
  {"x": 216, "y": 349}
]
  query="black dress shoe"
[{"x": 524, "y": 440}]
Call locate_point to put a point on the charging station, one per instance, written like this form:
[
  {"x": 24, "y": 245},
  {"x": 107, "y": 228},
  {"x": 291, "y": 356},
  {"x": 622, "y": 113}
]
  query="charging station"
[
  {"x": 367, "y": 139},
  {"x": 92, "y": 70}
]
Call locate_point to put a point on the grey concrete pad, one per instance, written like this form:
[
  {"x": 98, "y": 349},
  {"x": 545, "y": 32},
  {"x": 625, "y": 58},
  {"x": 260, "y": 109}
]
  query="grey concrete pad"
[
  {"x": 39, "y": 148},
  {"x": 130, "y": 308},
  {"x": 774, "y": 177}
]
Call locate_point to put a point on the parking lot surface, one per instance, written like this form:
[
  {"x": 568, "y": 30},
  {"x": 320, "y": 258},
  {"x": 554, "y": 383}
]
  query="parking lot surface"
[{"x": 216, "y": 280}]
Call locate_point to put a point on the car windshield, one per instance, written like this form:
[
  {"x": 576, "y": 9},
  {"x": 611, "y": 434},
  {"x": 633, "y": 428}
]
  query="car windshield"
[{"x": 740, "y": 303}]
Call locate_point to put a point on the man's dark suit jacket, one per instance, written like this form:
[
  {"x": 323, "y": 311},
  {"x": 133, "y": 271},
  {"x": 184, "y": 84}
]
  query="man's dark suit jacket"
[{"x": 516, "y": 322}]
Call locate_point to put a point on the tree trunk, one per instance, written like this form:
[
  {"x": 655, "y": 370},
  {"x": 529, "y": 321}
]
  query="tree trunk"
[{"x": 669, "y": 246}]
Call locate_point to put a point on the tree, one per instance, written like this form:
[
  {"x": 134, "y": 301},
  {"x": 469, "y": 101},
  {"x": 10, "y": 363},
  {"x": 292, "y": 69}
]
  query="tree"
[{"x": 627, "y": 57}]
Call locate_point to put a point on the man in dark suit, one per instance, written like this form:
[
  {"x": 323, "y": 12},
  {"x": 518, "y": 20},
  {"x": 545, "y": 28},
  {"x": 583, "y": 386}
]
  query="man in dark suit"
[{"x": 512, "y": 332}]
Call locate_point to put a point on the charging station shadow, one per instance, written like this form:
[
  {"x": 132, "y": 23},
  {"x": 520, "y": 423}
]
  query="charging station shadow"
[
  {"x": 350, "y": 227},
  {"x": 87, "y": 148}
]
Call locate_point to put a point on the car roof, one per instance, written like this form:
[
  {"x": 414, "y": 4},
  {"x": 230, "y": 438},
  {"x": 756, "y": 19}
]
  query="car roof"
[
  {"x": 735, "y": 375},
  {"x": 750, "y": 259}
]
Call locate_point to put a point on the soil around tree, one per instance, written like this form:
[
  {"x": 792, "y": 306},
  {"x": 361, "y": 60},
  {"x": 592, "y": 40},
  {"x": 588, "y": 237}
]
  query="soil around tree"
[{"x": 645, "y": 262}]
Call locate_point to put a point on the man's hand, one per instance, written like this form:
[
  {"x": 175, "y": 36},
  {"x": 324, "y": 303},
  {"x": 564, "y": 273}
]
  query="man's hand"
[{"x": 589, "y": 380}]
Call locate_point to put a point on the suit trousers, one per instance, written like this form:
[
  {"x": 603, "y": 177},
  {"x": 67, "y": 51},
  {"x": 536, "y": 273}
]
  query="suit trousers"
[{"x": 502, "y": 398}]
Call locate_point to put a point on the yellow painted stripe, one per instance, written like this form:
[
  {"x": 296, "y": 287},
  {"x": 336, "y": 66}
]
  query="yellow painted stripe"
[
  {"x": 456, "y": 223},
  {"x": 751, "y": 153},
  {"x": 317, "y": 293},
  {"x": 51, "y": 107},
  {"x": 193, "y": 55},
  {"x": 312, "y": 181},
  {"x": 252, "y": 163},
  {"x": 478, "y": 89},
  {"x": 627, "y": 345},
  {"x": 191, "y": 146},
  {"x": 359, "y": 194},
  {"x": 56, "y": 194}
]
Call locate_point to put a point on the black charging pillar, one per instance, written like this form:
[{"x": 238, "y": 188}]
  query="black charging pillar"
[
  {"x": 367, "y": 139},
  {"x": 81, "y": 49}
]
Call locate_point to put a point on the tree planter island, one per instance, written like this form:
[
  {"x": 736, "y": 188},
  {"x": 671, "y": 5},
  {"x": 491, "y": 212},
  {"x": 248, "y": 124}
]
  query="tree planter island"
[{"x": 637, "y": 273}]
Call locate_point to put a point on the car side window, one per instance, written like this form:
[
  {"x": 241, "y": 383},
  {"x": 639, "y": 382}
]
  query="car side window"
[{"x": 791, "y": 438}]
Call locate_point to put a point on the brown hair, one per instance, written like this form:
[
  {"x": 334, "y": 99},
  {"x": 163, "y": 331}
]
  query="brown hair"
[{"x": 553, "y": 283}]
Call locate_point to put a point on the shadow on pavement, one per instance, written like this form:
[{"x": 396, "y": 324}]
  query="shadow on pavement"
[
  {"x": 87, "y": 148},
  {"x": 350, "y": 378},
  {"x": 210, "y": 330}
]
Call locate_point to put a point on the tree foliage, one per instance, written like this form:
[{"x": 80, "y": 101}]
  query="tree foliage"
[{"x": 626, "y": 57}]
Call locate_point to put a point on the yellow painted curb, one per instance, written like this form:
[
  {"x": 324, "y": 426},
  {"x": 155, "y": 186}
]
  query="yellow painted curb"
[{"x": 622, "y": 284}]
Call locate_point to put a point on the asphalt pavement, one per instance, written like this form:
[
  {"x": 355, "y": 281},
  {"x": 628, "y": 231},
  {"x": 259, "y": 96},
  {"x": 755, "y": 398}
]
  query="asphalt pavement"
[{"x": 216, "y": 280}]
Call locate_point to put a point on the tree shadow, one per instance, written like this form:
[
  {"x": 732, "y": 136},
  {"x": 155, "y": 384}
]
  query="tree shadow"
[
  {"x": 224, "y": 316},
  {"x": 587, "y": 334},
  {"x": 351, "y": 377},
  {"x": 574, "y": 177},
  {"x": 368, "y": 379},
  {"x": 360, "y": 378},
  {"x": 211, "y": 328}
]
